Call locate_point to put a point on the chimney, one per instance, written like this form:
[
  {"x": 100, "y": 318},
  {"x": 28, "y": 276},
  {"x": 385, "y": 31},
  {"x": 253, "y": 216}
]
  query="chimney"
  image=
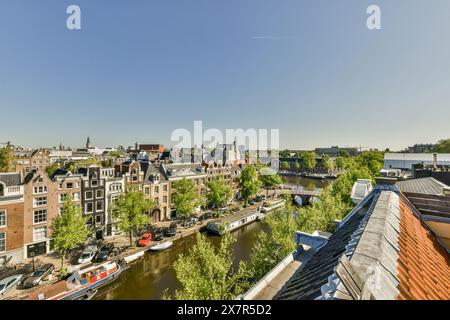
[{"x": 435, "y": 160}]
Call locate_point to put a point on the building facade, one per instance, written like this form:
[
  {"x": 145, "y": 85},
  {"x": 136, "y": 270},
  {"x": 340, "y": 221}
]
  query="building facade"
[
  {"x": 114, "y": 187},
  {"x": 11, "y": 218},
  {"x": 39, "y": 159},
  {"x": 156, "y": 188}
]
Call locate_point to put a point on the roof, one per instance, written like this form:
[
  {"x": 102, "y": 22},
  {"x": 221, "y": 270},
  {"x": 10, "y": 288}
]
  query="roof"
[
  {"x": 427, "y": 185},
  {"x": 153, "y": 169},
  {"x": 426, "y": 157},
  {"x": 383, "y": 250},
  {"x": 10, "y": 179},
  {"x": 183, "y": 170}
]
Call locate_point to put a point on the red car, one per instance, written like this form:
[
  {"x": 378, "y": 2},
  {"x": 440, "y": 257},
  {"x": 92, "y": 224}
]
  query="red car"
[{"x": 145, "y": 240}]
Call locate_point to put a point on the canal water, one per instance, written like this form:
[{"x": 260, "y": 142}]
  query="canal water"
[{"x": 148, "y": 278}]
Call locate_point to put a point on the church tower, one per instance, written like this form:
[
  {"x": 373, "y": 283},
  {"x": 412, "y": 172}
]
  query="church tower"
[{"x": 88, "y": 143}]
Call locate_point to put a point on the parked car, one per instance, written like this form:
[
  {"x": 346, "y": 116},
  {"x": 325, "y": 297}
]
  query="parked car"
[
  {"x": 251, "y": 202},
  {"x": 145, "y": 239},
  {"x": 9, "y": 283},
  {"x": 259, "y": 199},
  {"x": 207, "y": 215},
  {"x": 158, "y": 234},
  {"x": 104, "y": 253},
  {"x": 87, "y": 255},
  {"x": 38, "y": 275},
  {"x": 171, "y": 230}
]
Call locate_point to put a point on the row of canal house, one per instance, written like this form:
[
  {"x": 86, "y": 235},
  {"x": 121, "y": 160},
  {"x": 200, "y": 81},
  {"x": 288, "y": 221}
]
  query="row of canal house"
[{"x": 29, "y": 202}]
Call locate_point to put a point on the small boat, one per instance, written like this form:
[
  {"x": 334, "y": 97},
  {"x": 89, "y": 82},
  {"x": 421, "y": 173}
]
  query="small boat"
[
  {"x": 88, "y": 296},
  {"x": 272, "y": 205},
  {"x": 162, "y": 246}
]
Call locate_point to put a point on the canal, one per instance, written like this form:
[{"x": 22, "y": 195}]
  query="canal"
[{"x": 148, "y": 278}]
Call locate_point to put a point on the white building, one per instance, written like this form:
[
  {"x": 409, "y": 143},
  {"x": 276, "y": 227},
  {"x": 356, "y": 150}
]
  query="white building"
[
  {"x": 114, "y": 186},
  {"x": 407, "y": 160}
]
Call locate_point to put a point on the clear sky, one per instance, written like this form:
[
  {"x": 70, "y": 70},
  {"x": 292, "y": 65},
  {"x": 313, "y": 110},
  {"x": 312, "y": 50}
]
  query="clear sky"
[{"x": 139, "y": 69}]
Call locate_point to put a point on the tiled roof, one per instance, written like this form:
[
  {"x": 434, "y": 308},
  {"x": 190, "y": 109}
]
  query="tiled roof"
[
  {"x": 10, "y": 179},
  {"x": 423, "y": 264},
  {"x": 422, "y": 185},
  {"x": 386, "y": 249}
]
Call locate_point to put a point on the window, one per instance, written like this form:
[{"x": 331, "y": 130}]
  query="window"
[
  {"x": 89, "y": 195},
  {"x": 76, "y": 196},
  {"x": 147, "y": 190},
  {"x": 165, "y": 188},
  {"x": 94, "y": 183},
  {"x": 3, "y": 219},
  {"x": 69, "y": 185},
  {"x": 41, "y": 201},
  {"x": 89, "y": 221},
  {"x": 39, "y": 190},
  {"x": 156, "y": 189},
  {"x": 99, "y": 206},
  {"x": 89, "y": 207},
  {"x": 2, "y": 241},
  {"x": 98, "y": 220},
  {"x": 39, "y": 179},
  {"x": 39, "y": 216},
  {"x": 165, "y": 199},
  {"x": 99, "y": 194},
  {"x": 62, "y": 197},
  {"x": 2, "y": 189},
  {"x": 39, "y": 233}
]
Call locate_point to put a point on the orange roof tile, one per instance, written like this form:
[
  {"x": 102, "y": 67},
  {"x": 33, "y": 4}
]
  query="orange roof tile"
[{"x": 423, "y": 264}]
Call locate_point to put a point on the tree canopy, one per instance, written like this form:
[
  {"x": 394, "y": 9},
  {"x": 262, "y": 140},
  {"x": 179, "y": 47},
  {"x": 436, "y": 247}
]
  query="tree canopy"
[
  {"x": 69, "y": 229},
  {"x": 186, "y": 198},
  {"x": 218, "y": 193},
  {"x": 249, "y": 182},
  {"x": 132, "y": 211},
  {"x": 443, "y": 146},
  {"x": 6, "y": 159},
  {"x": 269, "y": 179},
  {"x": 309, "y": 160}
]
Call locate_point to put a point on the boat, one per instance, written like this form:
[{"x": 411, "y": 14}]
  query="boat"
[
  {"x": 88, "y": 296},
  {"x": 84, "y": 281},
  {"x": 272, "y": 205},
  {"x": 161, "y": 246},
  {"x": 231, "y": 223}
]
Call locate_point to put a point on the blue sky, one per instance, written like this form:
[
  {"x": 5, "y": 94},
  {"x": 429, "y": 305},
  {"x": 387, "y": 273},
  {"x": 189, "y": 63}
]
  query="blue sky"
[{"x": 140, "y": 69}]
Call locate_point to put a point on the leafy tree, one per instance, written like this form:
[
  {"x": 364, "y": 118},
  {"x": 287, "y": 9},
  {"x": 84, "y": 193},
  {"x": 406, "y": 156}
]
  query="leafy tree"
[
  {"x": 309, "y": 160},
  {"x": 297, "y": 166},
  {"x": 340, "y": 163},
  {"x": 271, "y": 248},
  {"x": 132, "y": 211},
  {"x": 344, "y": 153},
  {"x": 73, "y": 166},
  {"x": 284, "y": 165},
  {"x": 218, "y": 193},
  {"x": 208, "y": 274},
  {"x": 115, "y": 154},
  {"x": 69, "y": 229},
  {"x": 443, "y": 146},
  {"x": 6, "y": 159},
  {"x": 249, "y": 182},
  {"x": 186, "y": 198},
  {"x": 269, "y": 179},
  {"x": 52, "y": 168},
  {"x": 327, "y": 163}
]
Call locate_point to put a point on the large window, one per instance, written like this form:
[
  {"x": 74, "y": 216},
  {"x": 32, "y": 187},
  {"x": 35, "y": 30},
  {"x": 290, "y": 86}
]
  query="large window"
[
  {"x": 99, "y": 194},
  {"x": 39, "y": 190},
  {"x": 41, "y": 201},
  {"x": 3, "y": 218},
  {"x": 39, "y": 216},
  {"x": 39, "y": 233},
  {"x": 89, "y": 195},
  {"x": 99, "y": 206},
  {"x": 76, "y": 196},
  {"x": 62, "y": 197},
  {"x": 2, "y": 241}
]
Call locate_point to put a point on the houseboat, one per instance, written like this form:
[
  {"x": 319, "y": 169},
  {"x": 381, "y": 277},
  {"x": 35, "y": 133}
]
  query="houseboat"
[
  {"x": 80, "y": 283},
  {"x": 231, "y": 223},
  {"x": 272, "y": 205}
]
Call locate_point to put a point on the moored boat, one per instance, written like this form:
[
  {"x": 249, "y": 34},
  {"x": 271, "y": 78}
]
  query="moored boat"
[
  {"x": 272, "y": 205},
  {"x": 162, "y": 246},
  {"x": 81, "y": 283}
]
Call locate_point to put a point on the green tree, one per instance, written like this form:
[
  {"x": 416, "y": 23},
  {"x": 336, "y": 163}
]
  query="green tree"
[
  {"x": 328, "y": 164},
  {"x": 443, "y": 146},
  {"x": 52, "y": 168},
  {"x": 73, "y": 166},
  {"x": 269, "y": 179},
  {"x": 218, "y": 193},
  {"x": 284, "y": 165},
  {"x": 132, "y": 211},
  {"x": 249, "y": 182},
  {"x": 6, "y": 159},
  {"x": 69, "y": 229},
  {"x": 186, "y": 198},
  {"x": 344, "y": 153},
  {"x": 309, "y": 160},
  {"x": 297, "y": 166},
  {"x": 270, "y": 248},
  {"x": 208, "y": 274},
  {"x": 340, "y": 163}
]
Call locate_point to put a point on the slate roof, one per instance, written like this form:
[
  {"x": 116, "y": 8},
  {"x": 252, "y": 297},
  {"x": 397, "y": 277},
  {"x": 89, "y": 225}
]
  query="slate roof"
[
  {"x": 307, "y": 281},
  {"x": 427, "y": 185},
  {"x": 382, "y": 250},
  {"x": 154, "y": 169},
  {"x": 10, "y": 179}
]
